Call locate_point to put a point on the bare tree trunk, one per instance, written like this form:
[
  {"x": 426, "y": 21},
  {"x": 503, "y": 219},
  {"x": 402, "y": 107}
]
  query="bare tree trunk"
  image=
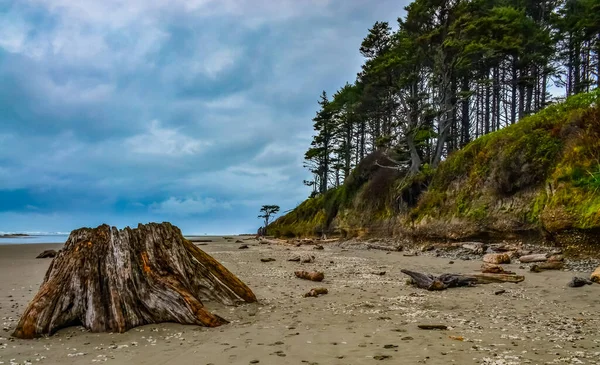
[
  {"x": 111, "y": 280},
  {"x": 513, "y": 110},
  {"x": 487, "y": 104},
  {"x": 465, "y": 122}
]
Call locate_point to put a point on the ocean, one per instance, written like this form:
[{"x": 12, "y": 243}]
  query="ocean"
[{"x": 35, "y": 238}]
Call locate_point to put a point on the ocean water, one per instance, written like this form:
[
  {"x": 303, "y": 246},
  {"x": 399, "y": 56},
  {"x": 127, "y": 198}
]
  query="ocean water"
[{"x": 35, "y": 238}]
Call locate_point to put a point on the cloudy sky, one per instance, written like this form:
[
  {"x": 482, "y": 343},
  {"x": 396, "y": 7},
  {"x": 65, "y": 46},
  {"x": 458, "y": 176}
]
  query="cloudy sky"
[{"x": 195, "y": 112}]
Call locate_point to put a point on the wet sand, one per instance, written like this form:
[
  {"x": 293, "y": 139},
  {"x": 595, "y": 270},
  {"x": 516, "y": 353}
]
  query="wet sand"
[{"x": 365, "y": 318}]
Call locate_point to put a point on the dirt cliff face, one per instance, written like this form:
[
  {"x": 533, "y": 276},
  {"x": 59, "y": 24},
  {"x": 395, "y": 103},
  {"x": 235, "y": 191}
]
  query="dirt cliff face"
[{"x": 540, "y": 176}]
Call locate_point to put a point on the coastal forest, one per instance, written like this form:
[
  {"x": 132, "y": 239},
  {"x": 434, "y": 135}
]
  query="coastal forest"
[{"x": 465, "y": 111}]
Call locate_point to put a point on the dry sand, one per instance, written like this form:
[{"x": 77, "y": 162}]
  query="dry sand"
[{"x": 365, "y": 317}]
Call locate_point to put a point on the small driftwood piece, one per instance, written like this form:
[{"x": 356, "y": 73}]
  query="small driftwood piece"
[
  {"x": 267, "y": 241},
  {"x": 440, "y": 327},
  {"x": 308, "y": 275},
  {"x": 47, "y": 254},
  {"x": 269, "y": 259},
  {"x": 494, "y": 269},
  {"x": 391, "y": 248},
  {"x": 315, "y": 292},
  {"x": 200, "y": 240},
  {"x": 543, "y": 266},
  {"x": 595, "y": 277},
  {"x": 110, "y": 280},
  {"x": 497, "y": 278},
  {"x": 538, "y": 257}
]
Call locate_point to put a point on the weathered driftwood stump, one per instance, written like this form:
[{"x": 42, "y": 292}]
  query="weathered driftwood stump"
[{"x": 111, "y": 280}]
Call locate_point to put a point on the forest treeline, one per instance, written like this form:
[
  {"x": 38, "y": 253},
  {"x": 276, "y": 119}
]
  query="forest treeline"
[{"x": 453, "y": 71}]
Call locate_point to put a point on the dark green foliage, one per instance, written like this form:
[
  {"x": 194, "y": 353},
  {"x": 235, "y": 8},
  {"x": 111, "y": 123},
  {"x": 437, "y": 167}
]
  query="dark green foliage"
[{"x": 397, "y": 140}]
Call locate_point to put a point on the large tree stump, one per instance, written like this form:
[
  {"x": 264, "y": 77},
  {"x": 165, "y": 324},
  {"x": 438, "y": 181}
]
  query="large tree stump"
[{"x": 111, "y": 280}]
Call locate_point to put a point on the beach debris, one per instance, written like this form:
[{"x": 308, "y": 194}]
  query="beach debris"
[
  {"x": 504, "y": 247},
  {"x": 494, "y": 269},
  {"x": 239, "y": 241},
  {"x": 595, "y": 277},
  {"x": 556, "y": 258},
  {"x": 310, "y": 275},
  {"x": 498, "y": 292},
  {"x": 242, "y": 247},
  {"x": 497, "y": 258},
  {"x": 269, "y": 259},
  {"x": 110, "y": 280},
  {"x": 195, "y": 240},
  {"x": 318, "y": 247},
  {"x": 489, "y": 278},
  {"x": 538, "y": 257},
  {"x": 380, "y": 273},
  {"x": 307, "y": 259},
  {"x": 389, "y": 248},
  {"x": 441, "y": 327},
  {"x": 445, "y": 281},
  {"x": 267, "y": 241},
  {"x": 550, "y": 265},
  {"x": 476, "y": 247},
  {"x": 381, "y": 357},
  {"x": 577, "y": 282},
  {"x": 315, "y": 292},
  {"x": 47, "y": 254},
  {"x": 442, "y": 282}
]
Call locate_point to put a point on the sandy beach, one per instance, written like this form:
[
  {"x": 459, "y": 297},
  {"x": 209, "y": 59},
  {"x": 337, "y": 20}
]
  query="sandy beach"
[{"x": 365, "y": 318}]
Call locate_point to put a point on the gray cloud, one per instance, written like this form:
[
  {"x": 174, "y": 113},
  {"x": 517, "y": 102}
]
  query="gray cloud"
[{"x": 192, "y": 111}]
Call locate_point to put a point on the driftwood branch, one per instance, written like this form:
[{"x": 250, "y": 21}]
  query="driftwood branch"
[{"x": 445, "y": 281}]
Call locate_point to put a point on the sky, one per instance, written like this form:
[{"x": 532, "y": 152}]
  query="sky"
[{"x": 195, "y": 112}]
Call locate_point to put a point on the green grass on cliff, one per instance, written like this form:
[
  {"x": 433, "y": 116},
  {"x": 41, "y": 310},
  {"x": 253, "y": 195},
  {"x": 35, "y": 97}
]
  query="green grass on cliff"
[
  {"x": 542, "y": 171},
  {"x": 554, "y": 154}
]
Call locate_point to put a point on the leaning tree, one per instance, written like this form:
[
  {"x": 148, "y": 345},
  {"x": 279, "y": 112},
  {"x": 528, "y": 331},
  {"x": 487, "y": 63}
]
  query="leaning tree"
[
  {"x": 267, "y": 211},
  {"x": 111, "y": 280}
]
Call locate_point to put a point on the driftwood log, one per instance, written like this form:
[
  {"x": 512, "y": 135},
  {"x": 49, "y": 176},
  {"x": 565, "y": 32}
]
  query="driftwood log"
[
  {"x": 47, "y": 254},
  {"x": 538, "y": 257},
  {"x": 543, "y": 266},
  {"x": 494, "y": 269},
  {"x": 111, "y": 280},
  {"x": 267, "y": 241},
  {"x": 315, "y": 292},
  {"x": 445, "y": 281},
  {"x": 307, "y": 275}
]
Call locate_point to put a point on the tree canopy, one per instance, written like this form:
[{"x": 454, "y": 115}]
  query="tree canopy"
[{"x": 452, "y": 71}]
